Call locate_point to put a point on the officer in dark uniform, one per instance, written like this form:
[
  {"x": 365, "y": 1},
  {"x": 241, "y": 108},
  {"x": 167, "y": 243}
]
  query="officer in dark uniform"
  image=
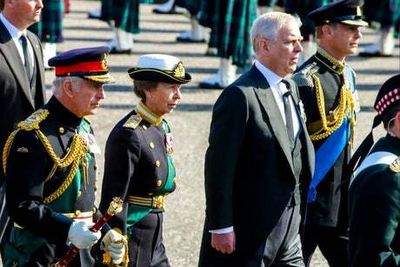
[
  {"x": 327, "y": 88},
  {"x": 374, "y": 194},
  {"x": 50, "y": 169},
  {"x": 138, "y": 159}
]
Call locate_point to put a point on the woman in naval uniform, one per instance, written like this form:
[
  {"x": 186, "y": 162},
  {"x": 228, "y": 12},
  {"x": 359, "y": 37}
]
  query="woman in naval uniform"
[{"x": 138, "y": 158}]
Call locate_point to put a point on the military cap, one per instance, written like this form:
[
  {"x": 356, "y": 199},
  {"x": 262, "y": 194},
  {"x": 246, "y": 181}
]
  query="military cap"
[
  {"x": 388, "y": 96},
  {"x": 88, "y": 63},
  {"x": 160, "y": 68},
  {"x": 344, "y": 11}
]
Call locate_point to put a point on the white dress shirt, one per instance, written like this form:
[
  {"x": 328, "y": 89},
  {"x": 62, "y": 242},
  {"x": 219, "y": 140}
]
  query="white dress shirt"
[
  {"x": 15, "y": 35},
  {"x": 278, "y": 90}
]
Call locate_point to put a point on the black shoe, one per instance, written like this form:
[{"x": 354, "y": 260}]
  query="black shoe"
[
  {"x": 374, "y": 54},
  {"x": 189, "y": 40},
  {"x": 121, "y": 51},
  {"x": 171, "y": 11}
]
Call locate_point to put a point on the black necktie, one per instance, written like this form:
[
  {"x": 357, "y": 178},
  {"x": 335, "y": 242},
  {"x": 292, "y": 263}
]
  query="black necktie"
[
  {"x": 28, "y": 60},
  {"x": 288, "y": 115}
]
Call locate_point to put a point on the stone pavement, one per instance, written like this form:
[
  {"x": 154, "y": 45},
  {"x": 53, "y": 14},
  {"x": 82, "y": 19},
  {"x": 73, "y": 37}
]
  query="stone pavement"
[{"x": 190, "y": 122}]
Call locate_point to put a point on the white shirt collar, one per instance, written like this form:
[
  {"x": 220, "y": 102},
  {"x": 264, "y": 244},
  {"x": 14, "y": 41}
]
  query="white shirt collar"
[
  {"x": 272, "y": 78},
  {"x": 14, "y": 31}
]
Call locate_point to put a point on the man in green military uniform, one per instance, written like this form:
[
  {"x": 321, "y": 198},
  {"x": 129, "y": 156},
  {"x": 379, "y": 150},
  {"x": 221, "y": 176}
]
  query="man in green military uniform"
[
  {"x": 374, "y": 194},
  {"x": 138, "y": 159},
  {"x": 50, "y": 169},
  {"x": 327, "y": 89}
]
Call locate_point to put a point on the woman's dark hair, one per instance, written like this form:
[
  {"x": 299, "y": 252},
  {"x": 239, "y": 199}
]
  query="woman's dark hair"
[{"x": 140, "y": 86}]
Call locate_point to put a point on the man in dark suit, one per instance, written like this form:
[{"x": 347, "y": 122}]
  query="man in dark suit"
[
  {"x": 20, "y": 95},
  {"x": 259, "y": 156}
]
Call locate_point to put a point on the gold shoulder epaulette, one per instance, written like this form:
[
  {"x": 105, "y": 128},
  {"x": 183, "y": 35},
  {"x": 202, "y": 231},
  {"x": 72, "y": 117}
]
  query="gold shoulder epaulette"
[
  {"x": 303, "y": 77},
  {"x": 395, "y": 165},
  {"x": 133, "y": 121},
  {"x": 33, "y": 121}
]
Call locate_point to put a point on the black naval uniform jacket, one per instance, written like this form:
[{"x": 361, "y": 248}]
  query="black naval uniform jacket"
[
  {"x": 327, "y": 207},
  {"x": 39, "y": 235},
  {"x": 374, "y": 211},
  {"x": 135, "y": 165}
]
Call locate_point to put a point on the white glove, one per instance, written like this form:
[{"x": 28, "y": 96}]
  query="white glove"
[
  {"x": 80, "y": 235},
  {"x": 115, "y": 244}
]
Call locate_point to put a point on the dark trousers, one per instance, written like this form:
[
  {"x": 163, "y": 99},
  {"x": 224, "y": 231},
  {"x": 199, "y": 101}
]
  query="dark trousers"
[
  {"x": 283, "y": 245},
  {"x": 146, "y": 248},
  {"x": 332, "y": 244}
]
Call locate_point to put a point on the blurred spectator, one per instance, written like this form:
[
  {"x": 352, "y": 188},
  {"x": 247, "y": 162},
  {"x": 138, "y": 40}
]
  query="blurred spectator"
[{"x": 384, "y": 15}]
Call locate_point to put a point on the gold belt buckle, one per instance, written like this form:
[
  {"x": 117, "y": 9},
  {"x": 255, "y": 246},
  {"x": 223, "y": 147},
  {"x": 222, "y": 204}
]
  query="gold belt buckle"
[{"x": 158, "y": 202}]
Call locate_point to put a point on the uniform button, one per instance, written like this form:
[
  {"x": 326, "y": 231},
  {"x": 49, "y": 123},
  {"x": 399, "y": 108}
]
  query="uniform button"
[
  {"x": 61, "y": 130},
  {"x": 158, "y": 163},
  {"x": 79, "y": 193},
  {"x": 159, "y": 182},
  {"x": 151, "y": 144},
  {"x": 144, "y": 127},
  {"x": 77, "y": 212}
]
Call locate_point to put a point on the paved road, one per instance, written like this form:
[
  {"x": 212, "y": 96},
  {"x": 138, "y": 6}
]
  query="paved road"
[{"x": 190, "y": 122}]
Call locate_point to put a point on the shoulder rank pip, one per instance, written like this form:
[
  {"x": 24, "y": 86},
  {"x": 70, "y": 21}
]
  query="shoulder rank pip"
[
  {"x": 395, "y": 165},
  {"x": 133, "y": 121}
]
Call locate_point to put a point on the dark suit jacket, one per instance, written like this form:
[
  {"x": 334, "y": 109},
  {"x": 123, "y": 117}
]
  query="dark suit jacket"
[
  {"x": 16, "y": 101},
  {"x": 249, "y": 176}
]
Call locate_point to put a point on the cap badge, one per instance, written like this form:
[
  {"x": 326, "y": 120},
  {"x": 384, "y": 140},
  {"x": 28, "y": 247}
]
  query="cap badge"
[
  {"x": 104, "y": 62},
  {"x": 179, "y": 71},
  {"x": 358, "y": 12}
]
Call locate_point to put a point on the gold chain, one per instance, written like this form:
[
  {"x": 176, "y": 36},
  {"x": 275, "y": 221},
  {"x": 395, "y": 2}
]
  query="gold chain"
[
  {"x": 76, "y": 152},
  {"x": 6, "y": 149},
  {"x": 345, "y": 108},
  {"x": 66, "y": 183}
]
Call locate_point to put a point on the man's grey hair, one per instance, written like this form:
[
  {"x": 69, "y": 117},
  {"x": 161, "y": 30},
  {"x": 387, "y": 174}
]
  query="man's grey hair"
[
  {"x": 58, "y": 81},
  {"x": 268, "y": 26}
]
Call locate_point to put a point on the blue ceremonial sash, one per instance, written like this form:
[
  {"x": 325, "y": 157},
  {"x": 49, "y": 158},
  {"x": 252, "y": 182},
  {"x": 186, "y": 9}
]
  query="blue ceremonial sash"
[
  {"x": 330, "y": 150},
  {"x": 326, "y": 156}
]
